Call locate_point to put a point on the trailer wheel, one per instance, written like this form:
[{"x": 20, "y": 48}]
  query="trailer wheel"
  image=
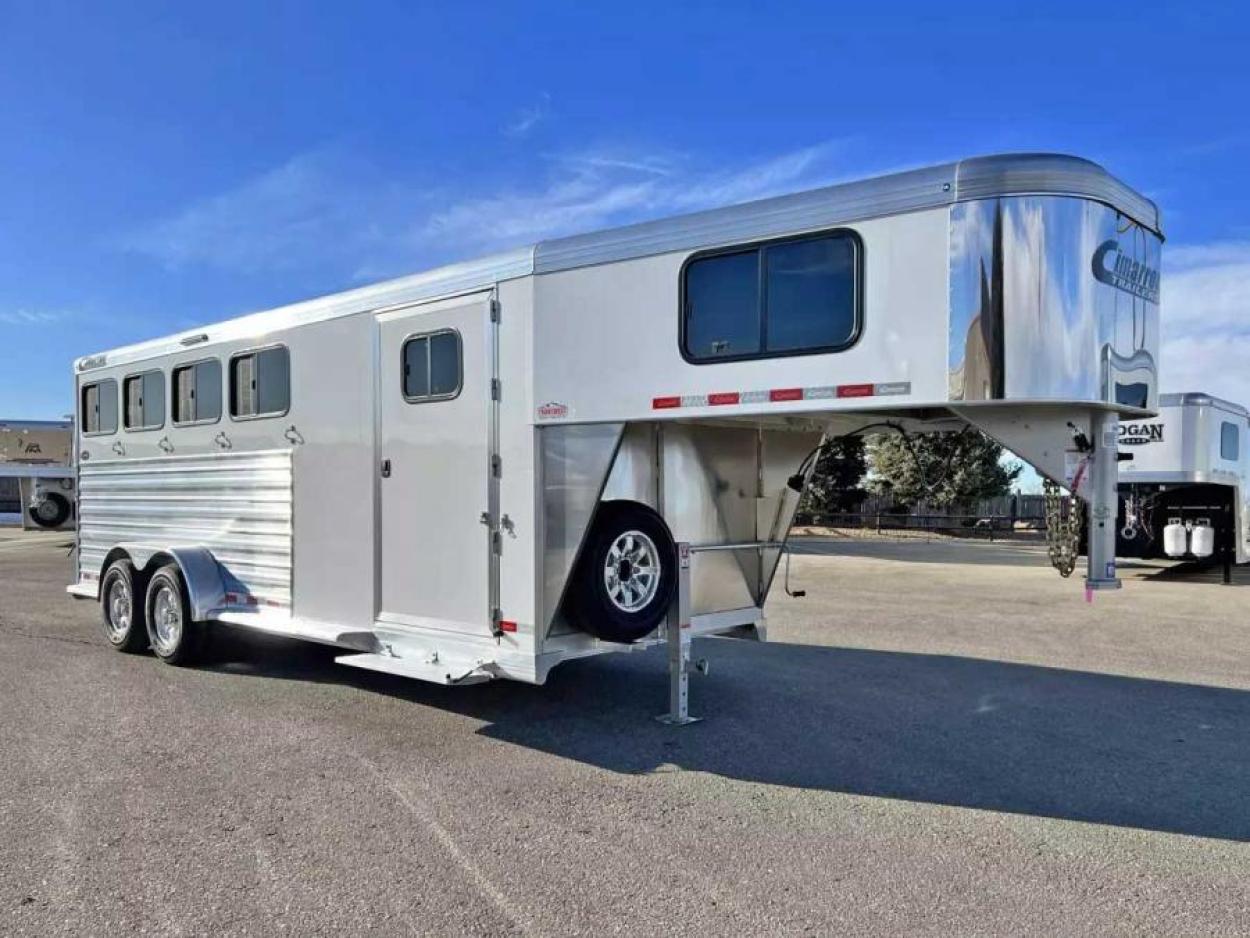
[
  {"x": 176, "y": 638},
  {"x": 51, "y": 512},
  {"x": 626, "y": 575},
  {"x": 121, "y": 608}
]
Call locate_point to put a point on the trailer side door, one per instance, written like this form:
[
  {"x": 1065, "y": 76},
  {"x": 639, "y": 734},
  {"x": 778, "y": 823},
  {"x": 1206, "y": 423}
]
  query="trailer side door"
[{"x": 435, "y": 441}]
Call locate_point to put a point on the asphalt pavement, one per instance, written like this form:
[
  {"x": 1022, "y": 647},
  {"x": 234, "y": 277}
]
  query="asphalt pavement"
[{"x": 939, "y": 739}]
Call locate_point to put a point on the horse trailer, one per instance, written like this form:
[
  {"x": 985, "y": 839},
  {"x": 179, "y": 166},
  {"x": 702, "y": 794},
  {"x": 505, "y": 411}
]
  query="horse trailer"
[
  {"x": 598, "y": 442},
  {"x": 1183, "y": 492},
  {"x": 36, "y": 471}
]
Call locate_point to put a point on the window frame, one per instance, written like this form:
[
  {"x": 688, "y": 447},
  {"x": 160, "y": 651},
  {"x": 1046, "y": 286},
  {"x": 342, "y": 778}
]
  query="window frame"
[
  {"x": 760, "y": 247},
  {"x": 229, "y": 386},
  {"x": 427, "y": 335},
  {"x": 173, "y": 394},
  {"x": 1236, "y": 435},
  {"x": 146, "y": 428},
  {"x": 82, "y": 392}
]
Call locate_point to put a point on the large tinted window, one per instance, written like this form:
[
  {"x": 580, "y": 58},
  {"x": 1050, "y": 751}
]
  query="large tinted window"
[
  {"x": 144, "y": 401},
  {"x": 1228, "y": 441},
  {"x": 197, "y": 392},
  {"x": 260, "y": 383},
  {"x": 432, "y": 366},
  {"x": 99, "y": 407},
  {"x": 783, "y": 298}
]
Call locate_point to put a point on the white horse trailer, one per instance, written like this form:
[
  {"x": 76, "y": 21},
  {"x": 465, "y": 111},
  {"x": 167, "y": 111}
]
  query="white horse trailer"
[
  {"x": 36, "y": 471},
  {"x": 1183, "y": 492},
  {"x": 598, "y": 442}
]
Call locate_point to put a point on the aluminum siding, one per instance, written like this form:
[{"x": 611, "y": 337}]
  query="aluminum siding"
[{"x": 238, "y": 505}]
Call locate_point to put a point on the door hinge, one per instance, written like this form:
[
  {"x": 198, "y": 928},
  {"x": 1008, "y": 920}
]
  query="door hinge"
[
  {"x": 495, "y": 389},
  {"x": 496, "y": 542},
  {"x": 494, "y": 310},
  {"x": 496, "y": 466}
]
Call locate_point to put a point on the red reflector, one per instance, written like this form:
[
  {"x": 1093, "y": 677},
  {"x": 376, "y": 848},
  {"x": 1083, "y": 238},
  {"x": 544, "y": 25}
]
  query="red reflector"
[
  {"x": 855, "y": 390},
  {"x": 664, "y": 403},
  {"x": 252, "y": 601},
  {"x": 785, "y": 394},
  {"x": 507, "y": 625},
  {"x": 724, "y": 397}
]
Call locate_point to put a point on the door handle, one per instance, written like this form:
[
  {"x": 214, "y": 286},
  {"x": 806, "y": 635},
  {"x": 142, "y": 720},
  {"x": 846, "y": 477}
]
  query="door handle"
[{"x": 386, "y": 468}]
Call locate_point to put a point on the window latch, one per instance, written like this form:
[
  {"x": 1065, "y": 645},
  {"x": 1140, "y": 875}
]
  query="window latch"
[{"x": 386, "y": 468}]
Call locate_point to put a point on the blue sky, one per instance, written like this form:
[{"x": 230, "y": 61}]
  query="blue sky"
[{"x": 165, "y": 165}]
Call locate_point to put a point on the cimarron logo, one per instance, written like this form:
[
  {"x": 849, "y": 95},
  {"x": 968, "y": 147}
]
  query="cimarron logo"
[
  {"x": 1139, "y": 434},
  {"x": 1112, "y": 266}
]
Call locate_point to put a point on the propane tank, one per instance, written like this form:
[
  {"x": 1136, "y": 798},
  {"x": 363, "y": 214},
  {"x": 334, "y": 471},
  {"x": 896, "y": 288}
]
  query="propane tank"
[
  {"x": 1174, "y": 538},
  {"x": 1202, "y": 539}
]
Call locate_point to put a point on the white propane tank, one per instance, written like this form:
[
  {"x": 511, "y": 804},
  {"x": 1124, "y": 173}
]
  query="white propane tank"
[
  {"x": 1174, "y": 538},
  {"x": 1202, "y": 540}
]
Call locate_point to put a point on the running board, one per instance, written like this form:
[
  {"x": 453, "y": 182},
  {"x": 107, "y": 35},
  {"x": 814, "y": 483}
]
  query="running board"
[{"x": 431, "y": 669}]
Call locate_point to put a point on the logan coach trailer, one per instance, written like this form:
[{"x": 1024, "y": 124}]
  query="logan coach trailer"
[
  {"x": 1183, "y": 492},
  {"x": 490, "y": 468},
  {"x": 36, "y": 465}
]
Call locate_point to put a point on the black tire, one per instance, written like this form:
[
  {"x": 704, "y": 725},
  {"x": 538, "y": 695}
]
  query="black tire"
[
  {"x": 123, "y": 608},
  {"x": 635, "y": 609},
  {"x": 176, "y": 638},
  {"x": 51, "y": 512}
]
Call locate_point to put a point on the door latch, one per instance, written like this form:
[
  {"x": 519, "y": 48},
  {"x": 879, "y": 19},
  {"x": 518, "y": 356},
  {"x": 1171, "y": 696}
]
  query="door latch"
[{"x": 386, "y": 468}]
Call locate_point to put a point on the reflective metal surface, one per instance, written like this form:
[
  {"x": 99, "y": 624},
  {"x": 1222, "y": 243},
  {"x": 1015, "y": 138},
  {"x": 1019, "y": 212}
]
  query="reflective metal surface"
[
  {"x": 1052, "y": 298},
  {"x": 236, "y": 505},
  {"x": 166, "y": 620},
  {"x": 119, "y": 607},
  {"x": 574, "y": 462},
  {"x": 632, "y": 571}
]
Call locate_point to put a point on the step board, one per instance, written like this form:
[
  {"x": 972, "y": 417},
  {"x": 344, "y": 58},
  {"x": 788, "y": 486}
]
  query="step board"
[{"x": 443, "y": 671}]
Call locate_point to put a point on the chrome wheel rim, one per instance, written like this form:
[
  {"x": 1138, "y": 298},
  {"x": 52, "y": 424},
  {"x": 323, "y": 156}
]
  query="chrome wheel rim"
[
  {"x": 166, "y": 619},
  {"x": 120, "y": 608},
  {"x": 631, "y": 571}
]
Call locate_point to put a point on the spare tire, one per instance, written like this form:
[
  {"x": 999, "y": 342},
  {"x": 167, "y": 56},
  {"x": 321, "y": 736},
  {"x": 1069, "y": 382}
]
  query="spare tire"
[{"x": 626, "y": 576}]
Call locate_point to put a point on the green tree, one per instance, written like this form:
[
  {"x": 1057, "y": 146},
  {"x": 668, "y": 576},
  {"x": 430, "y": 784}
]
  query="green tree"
[
  {"x": 953, "y": 467},
  {"x": 835, "y": 484}
]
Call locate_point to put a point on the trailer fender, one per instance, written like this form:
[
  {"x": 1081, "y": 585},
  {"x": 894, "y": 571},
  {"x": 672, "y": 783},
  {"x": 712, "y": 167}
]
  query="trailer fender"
[{"x": 205, "y": 580}]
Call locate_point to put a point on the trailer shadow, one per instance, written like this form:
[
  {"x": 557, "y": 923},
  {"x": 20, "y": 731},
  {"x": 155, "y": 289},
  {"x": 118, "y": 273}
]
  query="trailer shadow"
[{"x": 943, "y": 730}]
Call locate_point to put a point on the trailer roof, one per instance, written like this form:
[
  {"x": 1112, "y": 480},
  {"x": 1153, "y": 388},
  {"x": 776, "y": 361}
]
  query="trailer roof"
[
  {"x": 1200, "y": 399},
  {"x": 898, "y": 193},
  {"x": 35, "y": 424}
]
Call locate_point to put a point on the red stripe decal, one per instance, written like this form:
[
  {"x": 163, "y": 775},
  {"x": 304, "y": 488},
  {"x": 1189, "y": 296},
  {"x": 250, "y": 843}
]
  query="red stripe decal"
[
  {"x": 785, "y": 394},
  {"x": 665, "y": 403},
  {"x": 724, "y": 397},
  {"x": 855, "y": 390}
]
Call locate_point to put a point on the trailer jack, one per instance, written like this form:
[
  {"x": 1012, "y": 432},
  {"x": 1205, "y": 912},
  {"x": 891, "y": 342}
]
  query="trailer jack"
[{"x": 677, "y": 640}]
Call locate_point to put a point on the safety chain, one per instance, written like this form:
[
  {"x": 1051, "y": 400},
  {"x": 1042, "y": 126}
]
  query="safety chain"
[{"x": 1063, "y": 534}]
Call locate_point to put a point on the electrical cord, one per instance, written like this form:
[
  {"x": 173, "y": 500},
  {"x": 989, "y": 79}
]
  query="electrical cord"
[{"x": 799, "y": 479}]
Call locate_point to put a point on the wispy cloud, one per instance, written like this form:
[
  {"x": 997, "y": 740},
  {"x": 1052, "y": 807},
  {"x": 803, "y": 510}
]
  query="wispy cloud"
[
  {"x": 1205, "y": 325},
  {"x": 527, "y": 118},
  {"x": 327, "y": 211},
  {"x": 321, "y": 208},
  {"x": 32, "y": 317},
  {"x": 607, "y": 187}
]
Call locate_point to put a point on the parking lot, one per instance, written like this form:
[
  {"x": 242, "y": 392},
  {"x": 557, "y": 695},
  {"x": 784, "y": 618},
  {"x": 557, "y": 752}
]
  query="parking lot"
[{"x": 941, "y": 738}]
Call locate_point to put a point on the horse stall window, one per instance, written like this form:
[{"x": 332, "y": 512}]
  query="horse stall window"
[
  {"x": 99, "y": 407},
  {"x": 143, "y": 396},
  {"x": 795, "y": 297},
  {"x": 433, "y": 366},
  {"x": 1229, "y": 443},
  {"x": 260, "y": 383},
  {"x": 197, "y": 393}
]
